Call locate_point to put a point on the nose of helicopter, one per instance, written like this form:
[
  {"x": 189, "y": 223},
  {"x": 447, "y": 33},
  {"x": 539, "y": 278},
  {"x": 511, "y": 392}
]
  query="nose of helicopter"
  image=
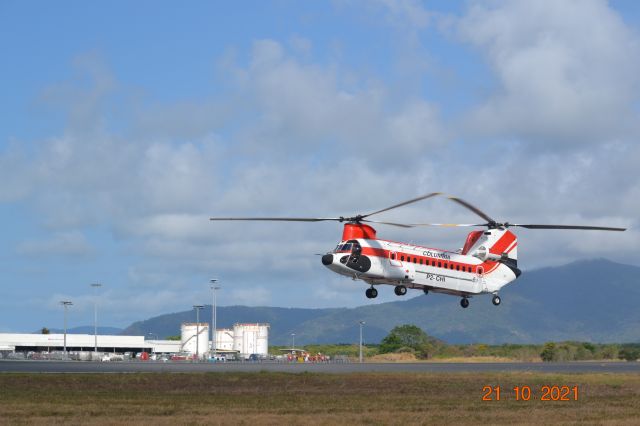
[{"x": 327, "y": 259}]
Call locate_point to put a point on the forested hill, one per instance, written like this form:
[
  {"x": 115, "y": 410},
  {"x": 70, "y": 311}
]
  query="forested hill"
[{"x": 595, "y": 300}]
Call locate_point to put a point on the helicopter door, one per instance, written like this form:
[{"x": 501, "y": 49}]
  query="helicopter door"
[
  {"x": 393, "y": 259},
  {"x": 479, "y": 278}
]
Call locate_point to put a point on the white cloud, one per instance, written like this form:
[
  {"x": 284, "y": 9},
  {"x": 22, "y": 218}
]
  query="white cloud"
[
  {"x": 568, "y": 73},
  {"x": 307, "y": 109},
  {"x": 71, "y": 243},
  {"x": 298, "y": 137},
  {"x": 253, "y": 296}
]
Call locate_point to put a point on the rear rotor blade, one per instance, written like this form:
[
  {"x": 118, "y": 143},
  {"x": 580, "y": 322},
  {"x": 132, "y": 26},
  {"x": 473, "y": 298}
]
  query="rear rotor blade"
[
  {"x": 472, "y": 208},
  {"x": 434, "y": 194},
  {"x": 581, "y": 227}
]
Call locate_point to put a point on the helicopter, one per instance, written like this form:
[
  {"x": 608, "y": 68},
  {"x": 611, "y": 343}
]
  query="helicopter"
[{"x": 486, "y": 263}]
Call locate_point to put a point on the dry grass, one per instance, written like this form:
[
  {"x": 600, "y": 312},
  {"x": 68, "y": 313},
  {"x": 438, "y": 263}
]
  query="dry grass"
[
  {"x": 278, "y": 398},
  {"x": 393, "y": 357},
  {"x": 409, "y": 357}
]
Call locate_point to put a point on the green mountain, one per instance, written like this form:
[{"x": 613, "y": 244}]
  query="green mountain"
[
  {"x": 87, "y": 329},
  {"x": 595, "y": 300}
]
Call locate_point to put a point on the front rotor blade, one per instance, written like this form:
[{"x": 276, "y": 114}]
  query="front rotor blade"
[
  {"x": 581, "y": 227},
  {"x": 404, "y": 203},
  {"x": 472, "y": 208},
  {"x": 450, "y": 225},
  {"x": 401, "y": 225},
  {"x": 281, "y": 219}
]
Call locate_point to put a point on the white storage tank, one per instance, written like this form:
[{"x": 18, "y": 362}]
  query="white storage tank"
[
  {"x": 188, "y": 338},
  {"x": 224, "y": 339},
  {"x": 251, "y": 339}
]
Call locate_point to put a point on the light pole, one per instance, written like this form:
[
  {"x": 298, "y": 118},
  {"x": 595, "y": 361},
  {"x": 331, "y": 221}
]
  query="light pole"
[
  {"x": 157, "y": 338},
  {"x": 293, "y": 341},
  {"x": 214, "y": 314},
  {"x": 361, "y": 325},
  {"x": 95, "y": 316},
  {"x": 65, "y": 303},
  {"x": 197, "y": 308}
]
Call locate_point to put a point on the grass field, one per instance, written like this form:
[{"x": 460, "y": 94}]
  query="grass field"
[{"x": 279, "y": 398}]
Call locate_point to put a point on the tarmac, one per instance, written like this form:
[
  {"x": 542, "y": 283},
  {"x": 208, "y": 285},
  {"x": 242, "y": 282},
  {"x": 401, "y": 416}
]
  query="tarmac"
[{"x": 33, "y": 366}]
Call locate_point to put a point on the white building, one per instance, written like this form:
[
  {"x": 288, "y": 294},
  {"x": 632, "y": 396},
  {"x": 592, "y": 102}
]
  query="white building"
[
  {"x": 75, "y": 342},
  {"x": 242, "y": 339},
  {"x": 251, "y": 339},
  {"x": 224, "y": 340},
  {"x": 195, "y": 338}
]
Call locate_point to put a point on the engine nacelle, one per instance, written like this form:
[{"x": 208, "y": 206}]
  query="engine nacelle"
[{"x": 483, "y": 254}]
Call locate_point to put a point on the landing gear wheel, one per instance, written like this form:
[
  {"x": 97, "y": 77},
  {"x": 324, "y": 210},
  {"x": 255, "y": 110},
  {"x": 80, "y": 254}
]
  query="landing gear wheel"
[
  {"x": 371, "y": 293},
  {"x": 496, "y": 300},
  {"x": 400, "y": 290},
  {"x": 464, "y": 302},
  {"x": 426, "y": 290}
]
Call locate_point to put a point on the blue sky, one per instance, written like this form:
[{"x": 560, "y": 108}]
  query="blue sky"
[{"x": 127, "y": 124}]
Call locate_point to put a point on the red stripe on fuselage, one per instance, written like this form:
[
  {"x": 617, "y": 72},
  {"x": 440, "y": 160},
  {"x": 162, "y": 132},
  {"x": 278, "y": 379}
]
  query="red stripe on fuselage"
[{"x": 428, "y": 261}]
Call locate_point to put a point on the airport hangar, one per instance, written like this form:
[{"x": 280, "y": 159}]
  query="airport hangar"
[
  {"x": 243, "y": 339},
  {"x": 18, "y": 342}
]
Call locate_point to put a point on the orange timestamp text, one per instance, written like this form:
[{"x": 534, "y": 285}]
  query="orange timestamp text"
[{"x": 525, "y": 393}]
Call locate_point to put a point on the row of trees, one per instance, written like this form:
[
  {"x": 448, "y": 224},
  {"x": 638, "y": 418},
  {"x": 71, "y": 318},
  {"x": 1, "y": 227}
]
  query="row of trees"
[
  {"x": 579, "y": 351},
  {"x": 410, "y": 338}
]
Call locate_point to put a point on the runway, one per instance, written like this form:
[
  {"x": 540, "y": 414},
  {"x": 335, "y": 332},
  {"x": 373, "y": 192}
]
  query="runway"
[{"x": 19, "y": 366}]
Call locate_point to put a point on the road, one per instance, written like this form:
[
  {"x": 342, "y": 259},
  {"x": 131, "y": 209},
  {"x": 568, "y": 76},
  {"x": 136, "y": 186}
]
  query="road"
[{"x": 15, "y": 366}]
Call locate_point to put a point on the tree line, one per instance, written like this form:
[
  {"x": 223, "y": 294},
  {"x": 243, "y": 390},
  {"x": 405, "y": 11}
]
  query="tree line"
[{"x": 412, "y": 339}]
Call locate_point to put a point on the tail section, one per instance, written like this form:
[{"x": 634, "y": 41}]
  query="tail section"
[{"x": 493, "y": 244}]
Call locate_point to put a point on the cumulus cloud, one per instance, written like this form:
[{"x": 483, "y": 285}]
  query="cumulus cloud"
[
  {"x": 567, "y": 73},
  {"x": 309, "y": 109},
  {"x": 298, "y": 137}
]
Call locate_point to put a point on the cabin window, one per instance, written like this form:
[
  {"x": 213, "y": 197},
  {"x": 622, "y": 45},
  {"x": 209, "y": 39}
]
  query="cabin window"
[
  {"x": 439, "y": 264},
  {"x": 415, "y": 260},
  {"x": 393, "y": 256},
  {"x": 457, "y": 267},
  {"x": 451, "y": 266},
  {"x": 433, "y": 263},
  {"x": 402, "y": 258},
  {"x": 421, "y": 261}
]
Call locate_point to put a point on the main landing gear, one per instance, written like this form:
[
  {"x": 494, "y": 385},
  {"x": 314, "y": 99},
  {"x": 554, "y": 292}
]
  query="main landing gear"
[
  {"x": 372, "y": 293},
  {"x": 464, "y": 302},
  {"x": 400, "y": 290}
]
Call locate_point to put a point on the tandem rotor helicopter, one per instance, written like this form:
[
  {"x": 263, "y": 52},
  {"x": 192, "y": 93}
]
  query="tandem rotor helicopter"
[{"x": 487, "y": 262}]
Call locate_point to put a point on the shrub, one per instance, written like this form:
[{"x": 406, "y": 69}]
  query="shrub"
[{"x": 549, "y": 352}]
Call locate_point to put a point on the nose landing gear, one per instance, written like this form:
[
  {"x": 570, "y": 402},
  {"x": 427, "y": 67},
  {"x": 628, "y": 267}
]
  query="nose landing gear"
[{"x": 496, "y": 300}]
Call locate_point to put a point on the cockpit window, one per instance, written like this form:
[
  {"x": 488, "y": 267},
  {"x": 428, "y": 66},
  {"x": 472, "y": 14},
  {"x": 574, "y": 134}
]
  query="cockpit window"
[{"x": 343, "y": 248}]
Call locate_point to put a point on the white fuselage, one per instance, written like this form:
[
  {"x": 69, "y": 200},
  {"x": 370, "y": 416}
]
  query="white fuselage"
[{"x": 419, "y": 267}]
